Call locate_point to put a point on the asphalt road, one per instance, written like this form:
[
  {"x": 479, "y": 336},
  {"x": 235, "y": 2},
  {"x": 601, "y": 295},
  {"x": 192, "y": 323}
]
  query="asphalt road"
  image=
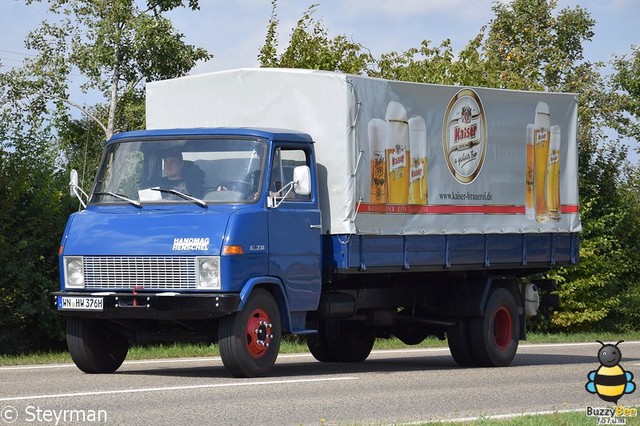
[{"x": 410, "y": 385}]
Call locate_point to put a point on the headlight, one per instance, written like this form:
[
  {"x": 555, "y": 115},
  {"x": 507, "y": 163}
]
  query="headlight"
[
  {"x": 73, "y": 272},
  {"x": 208, "y": 272}
]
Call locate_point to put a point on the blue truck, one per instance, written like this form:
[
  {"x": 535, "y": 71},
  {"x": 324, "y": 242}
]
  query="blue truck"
[{"x": 264, "y": 203}]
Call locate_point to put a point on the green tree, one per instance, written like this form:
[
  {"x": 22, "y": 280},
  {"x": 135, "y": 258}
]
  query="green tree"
[
  {"x": 311, "y": 47},
  {"x": 32, "y": 215},
  {"x": 116, "y": 45},
  {"x": 625, "y": 84},
  {"x": 525, "y": 46},
  {"x": 533, "y": 49},
  {"x": 437, "y": 65},
  {"x": 590, "y": 291}
]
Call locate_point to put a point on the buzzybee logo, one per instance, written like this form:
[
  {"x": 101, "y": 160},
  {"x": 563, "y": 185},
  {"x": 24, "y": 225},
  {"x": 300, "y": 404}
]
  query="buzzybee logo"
[{"x": 610, "y": 381}]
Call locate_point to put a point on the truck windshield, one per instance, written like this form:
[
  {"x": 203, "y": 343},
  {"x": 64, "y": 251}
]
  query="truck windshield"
[{"x": 213, "y": 170}]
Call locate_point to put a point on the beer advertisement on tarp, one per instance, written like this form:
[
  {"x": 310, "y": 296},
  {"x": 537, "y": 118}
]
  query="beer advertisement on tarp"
[{"x": 468, "y": 160}]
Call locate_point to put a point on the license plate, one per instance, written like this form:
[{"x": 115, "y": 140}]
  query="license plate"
[{"x": 67, "y": 303}]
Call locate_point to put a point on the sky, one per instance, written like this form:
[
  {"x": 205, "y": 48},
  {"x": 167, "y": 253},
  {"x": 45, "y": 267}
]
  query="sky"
[{"x": 233, "y": 31}]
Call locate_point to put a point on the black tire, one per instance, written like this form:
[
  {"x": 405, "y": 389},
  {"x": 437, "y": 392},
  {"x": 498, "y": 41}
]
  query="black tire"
[
  {"x": 495, "y": 336},
  {"x": 317, "y": 342},
  {"x": 459, "y": 341},
  {"x": 341, "y": 341},
  {"x": 349, "y": 341},
  {"x": 250, "y": 339},
  {"x": 94, "y": 347}
]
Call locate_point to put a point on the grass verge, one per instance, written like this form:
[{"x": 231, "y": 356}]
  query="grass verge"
[{"x": 294, "y": 345}]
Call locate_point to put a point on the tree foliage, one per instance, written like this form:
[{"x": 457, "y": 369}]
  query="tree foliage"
[
  {"x": 311, "y": 47},
  {"x": 533, "y": 49},
  {"x": 32, "y": 215},
  {"x": 115, "y": 45},
  {"x": 626, "y": 86}
]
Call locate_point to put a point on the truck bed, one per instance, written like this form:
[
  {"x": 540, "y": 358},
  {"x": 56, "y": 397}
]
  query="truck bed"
[{"x": 416, "y": 253}]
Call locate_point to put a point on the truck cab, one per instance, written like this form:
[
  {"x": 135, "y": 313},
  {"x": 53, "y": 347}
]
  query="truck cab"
[{"x": 188, "y": 233}]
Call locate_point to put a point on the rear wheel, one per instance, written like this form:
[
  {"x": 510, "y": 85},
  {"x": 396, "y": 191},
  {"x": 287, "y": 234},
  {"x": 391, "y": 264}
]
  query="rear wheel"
[
  {"x": 94, "y": 347},
  {"x": 494, "y": 336},
  {"x": 250, "y": 339},
  {"x": 341, "y": 341},
  {"x": 356, "y": 340},
  {"x": 318, "y": 344},
  {"x": 459, "y": 340}
]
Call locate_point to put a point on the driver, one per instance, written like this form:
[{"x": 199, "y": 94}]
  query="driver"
[
  {"x": 172, "y": 168},
  {"x": 180, "y": 175}
]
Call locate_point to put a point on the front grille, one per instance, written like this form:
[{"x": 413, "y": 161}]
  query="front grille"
[{"x": 174, "y": 273}]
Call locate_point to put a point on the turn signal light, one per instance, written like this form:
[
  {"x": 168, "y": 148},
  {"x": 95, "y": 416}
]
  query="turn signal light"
[{"x": 230, "y": 250}]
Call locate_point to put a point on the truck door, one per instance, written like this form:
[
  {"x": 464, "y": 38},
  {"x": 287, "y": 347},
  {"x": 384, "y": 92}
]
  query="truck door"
[{"x": 294, "y": 230}]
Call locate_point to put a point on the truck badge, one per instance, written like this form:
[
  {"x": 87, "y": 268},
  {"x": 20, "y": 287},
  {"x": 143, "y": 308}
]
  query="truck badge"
[{"x": 190, "y": 244}]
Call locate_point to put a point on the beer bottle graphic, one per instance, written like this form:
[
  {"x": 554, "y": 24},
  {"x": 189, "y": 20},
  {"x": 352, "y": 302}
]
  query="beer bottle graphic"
[
  {"x": 553, "y": 175},
  {"x": 397, "y": 150},
  {"x": 377, "y": 156},
  {"x": 418, "y": 161},
  {"x": 529, "y": 205},
  {"x": 541, "y": 138}
]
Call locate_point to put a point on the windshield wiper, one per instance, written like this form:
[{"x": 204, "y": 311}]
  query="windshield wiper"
[
  {"x": 182, "y": 195},
  {"x": 120, "y": 197}
]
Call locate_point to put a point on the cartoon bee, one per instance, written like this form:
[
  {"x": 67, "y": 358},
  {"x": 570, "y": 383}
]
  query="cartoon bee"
[{"x": 610, "y": 381}]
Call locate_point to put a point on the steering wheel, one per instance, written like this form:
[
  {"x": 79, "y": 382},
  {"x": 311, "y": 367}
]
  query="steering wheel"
[{"x": 235, "y": 185}]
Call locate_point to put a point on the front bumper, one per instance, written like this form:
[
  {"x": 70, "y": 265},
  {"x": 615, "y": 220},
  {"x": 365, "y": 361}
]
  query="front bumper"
[{"x": 154, "y": 306}]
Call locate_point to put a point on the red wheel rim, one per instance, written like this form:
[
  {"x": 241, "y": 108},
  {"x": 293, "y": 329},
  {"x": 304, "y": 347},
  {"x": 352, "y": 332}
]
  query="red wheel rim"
[
  {"x": 502, "y": 328},
  {"x": 258, "y": 333}
]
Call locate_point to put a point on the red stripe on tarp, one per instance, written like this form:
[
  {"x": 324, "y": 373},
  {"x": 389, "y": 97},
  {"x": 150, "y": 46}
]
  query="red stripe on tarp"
[
  {"x": 451, "y": 209},
  {"x": 569, "y": 208}
]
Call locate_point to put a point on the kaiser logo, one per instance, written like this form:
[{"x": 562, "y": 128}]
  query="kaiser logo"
[{"x": 464, "y": 136}]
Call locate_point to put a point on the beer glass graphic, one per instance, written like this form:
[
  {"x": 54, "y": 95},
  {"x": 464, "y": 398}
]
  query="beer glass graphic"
[
  {"x": 529, "y": 204},
  {"x": 418, "y": 161},
  {"x": 397, "y": 150},
  {"x": 377, "y": 133},
  {"x": 553, "y": 175},
  {"x": 541, "y": 138}
]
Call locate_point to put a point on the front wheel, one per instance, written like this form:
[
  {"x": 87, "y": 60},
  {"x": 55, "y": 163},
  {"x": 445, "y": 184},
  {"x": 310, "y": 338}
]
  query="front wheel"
[
  {"x": 494, "y": 336},
  {"x": 250, "y": 339},
  {"x": 94, "y": 347},
  {"x": 353, "y": 341}
]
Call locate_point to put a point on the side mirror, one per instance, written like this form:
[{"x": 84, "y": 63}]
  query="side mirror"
[
  {"x": 73, "y": 182},
  {"x": 75, "y": 190},
  {"x": 302, "y": 180}
]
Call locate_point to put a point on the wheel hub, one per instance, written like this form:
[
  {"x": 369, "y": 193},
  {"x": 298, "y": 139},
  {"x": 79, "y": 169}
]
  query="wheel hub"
[
  {"x": 502, "y": 328},
  {"x": 259, "y": 333}
]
